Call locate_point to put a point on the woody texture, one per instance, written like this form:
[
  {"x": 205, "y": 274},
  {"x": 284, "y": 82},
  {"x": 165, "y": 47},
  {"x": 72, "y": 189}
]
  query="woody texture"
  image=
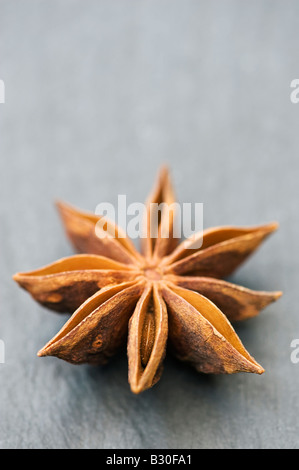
[{"x": 171, "y": 294}]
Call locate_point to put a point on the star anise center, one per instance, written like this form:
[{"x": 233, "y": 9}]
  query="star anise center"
[{"x": 152, "y": 273}]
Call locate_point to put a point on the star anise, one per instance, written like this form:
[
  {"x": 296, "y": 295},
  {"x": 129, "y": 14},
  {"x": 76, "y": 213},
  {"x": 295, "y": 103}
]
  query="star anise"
[{"x": 171, "y": 291}]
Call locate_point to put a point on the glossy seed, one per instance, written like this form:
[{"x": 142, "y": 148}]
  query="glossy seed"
[{"x": 148, "y": 336}]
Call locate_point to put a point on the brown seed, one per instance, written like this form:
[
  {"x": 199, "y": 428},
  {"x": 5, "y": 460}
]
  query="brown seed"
[{"x": 148, "y": 335}]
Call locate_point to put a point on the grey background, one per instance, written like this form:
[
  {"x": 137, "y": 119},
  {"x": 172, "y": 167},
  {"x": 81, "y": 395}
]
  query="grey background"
[{"x": 98, "y": 95}]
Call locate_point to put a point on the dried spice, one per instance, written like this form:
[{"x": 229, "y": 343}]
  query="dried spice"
[{"x": 169, "y": 293}]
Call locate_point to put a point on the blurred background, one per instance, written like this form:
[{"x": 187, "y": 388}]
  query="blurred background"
[{"x": 98, "y": 95}]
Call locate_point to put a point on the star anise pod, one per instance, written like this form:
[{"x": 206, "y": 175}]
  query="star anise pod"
[{"x": 171, "y": 291}]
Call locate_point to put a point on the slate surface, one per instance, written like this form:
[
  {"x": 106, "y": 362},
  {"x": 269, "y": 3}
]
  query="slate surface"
[{"x": 98, "y": 95}]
